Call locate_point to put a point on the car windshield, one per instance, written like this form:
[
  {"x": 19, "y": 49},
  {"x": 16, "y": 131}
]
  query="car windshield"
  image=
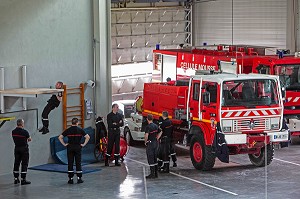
[
  {"x": 289, "y": 75},
  {"x": 249, "y": 93},
  {"x": 128, "y": 109}
]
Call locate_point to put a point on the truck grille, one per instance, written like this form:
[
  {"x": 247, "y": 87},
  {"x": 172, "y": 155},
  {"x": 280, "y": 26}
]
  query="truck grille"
[{"x": 251, "y": 124}]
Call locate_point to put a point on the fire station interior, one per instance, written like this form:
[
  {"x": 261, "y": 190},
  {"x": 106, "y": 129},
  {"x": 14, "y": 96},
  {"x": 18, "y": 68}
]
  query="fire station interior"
[{"x": 103, "y": 52}]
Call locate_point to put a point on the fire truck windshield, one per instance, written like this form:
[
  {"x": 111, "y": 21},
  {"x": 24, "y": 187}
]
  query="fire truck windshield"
[
  {"x": 249, "y": 93},
  {"x": 289, "y": 76}
]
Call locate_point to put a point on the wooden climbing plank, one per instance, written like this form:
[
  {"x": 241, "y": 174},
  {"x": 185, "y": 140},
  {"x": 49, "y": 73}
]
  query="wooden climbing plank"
[{"x": 28, "y": 92}]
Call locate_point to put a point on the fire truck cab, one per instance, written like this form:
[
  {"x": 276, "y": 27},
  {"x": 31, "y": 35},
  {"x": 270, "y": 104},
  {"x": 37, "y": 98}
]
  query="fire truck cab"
[
  {"x": 181, "y": 63},
  {"x": 287, "y": 67},
  {"x": 243, "y": 113}
]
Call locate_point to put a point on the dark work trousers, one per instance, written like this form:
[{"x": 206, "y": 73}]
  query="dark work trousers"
[
  {"x": 113, "y": 138},
  {"x": 21, "y": 156},
  {"x": 172, "y": 152},
  {"x": 74, "y": 152},
  {"x": 48, "y": 108},
  {"x": 151, "y": 151},
  {"x": 164, "y": 149}
]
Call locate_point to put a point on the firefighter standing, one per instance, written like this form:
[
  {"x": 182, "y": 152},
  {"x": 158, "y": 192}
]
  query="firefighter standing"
[
  {"x": 53, "y": 103},
  {"x": 114, "y": 122},
  {"x": 74, "y": 134},
  {"x": 165, "y": 145},
  {"x": 21, "y": 138},
  {"x": 152, "y": 134}
]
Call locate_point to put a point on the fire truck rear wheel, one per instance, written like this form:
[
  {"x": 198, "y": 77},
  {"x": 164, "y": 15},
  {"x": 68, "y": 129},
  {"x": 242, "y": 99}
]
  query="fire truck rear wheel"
[
  {"x": 201, "y": 155},
  {"x": 260, "y": 159}
]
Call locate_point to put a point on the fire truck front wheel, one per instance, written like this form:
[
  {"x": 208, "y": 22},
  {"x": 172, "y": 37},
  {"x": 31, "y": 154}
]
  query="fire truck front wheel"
[
  {"x": 262, "y": 159},
  {"x": 201, "y": 155}
]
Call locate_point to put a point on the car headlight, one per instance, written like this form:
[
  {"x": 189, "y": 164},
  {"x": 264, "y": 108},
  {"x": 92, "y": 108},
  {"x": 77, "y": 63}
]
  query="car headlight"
[{"x": 137, "y": 128}]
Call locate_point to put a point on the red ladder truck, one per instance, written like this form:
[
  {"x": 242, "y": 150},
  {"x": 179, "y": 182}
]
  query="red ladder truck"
[{"x": 247, "y": 110}]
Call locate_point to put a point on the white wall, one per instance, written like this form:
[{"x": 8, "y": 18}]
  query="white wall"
[
  {"x": 54, "y": 39},
  {"x": 255, "y": 22}
]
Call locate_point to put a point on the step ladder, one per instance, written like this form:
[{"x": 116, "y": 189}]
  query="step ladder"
[{"x": 73, "y": 105}]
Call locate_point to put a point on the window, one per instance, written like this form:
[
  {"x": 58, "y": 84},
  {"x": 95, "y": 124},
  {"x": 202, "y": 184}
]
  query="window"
[
  {"x": 212, "y": 89},
  {"x": 128, "y": 109},
  {"x": 196, "y": 90}
]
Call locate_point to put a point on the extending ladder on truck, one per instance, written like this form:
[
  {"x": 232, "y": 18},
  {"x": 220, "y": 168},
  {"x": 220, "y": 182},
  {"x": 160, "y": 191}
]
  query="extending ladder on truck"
[{"x": 72, "y": 109}]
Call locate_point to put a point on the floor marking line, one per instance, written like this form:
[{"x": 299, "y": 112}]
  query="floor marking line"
[
  {"x": 287, "y": 161},
  {"x": 187, "y": 178},
  {"x": 145, "y": 183}
]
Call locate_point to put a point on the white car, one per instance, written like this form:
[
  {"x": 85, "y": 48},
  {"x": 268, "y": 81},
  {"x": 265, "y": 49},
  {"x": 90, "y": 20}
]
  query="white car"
[{"x": 132, "y": 121}]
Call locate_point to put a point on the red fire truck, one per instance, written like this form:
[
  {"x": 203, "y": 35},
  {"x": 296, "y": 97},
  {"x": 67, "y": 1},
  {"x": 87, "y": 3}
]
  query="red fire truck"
[
  {"x": 181, "y": 63},
  {"x": 244, "y": 112}
]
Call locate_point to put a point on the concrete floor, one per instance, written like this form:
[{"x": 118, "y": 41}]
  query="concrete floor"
[{"x": 238, "y": 179}]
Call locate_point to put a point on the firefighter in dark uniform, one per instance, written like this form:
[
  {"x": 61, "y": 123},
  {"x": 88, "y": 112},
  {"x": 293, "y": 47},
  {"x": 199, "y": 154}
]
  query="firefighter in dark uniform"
[
  {"x": 165, "y": 142},
  {"x": 114, "y": 122},
  {"x": 152, "y": 134},
  {"x": 21, "y": 138},
  {"x": 53, "y": 103},
  {"x": 74, "y": 134}
]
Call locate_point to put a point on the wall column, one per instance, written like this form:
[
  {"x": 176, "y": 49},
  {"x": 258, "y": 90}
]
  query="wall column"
[
  {"x": 291, "y": 26},
  {"x": 102, "y": 56}
]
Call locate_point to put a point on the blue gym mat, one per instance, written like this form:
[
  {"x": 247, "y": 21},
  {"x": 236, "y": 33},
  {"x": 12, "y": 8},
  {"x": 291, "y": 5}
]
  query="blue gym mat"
[
  {"x": 62, "y": 168},
  {"x": 59, "y": 152}
]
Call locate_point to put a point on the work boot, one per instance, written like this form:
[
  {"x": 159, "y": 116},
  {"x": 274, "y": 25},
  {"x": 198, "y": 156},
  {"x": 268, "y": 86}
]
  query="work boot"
[
  {"x": 159, "y": 163},
  {"x": 166, "y": 168},
  {"x": 17, "y": 181},
  {"x": 70, "y": 181},
  {"x": 117, "y": 161},
  {"x": 155, "y": 171},
  {"x": 106, "y": 161},
  {"x": 41, "y": 129},
  {"x": 45, "y": 130},
  {"x": 152, "y": 173},
  {"x": 79, "y": 180},
  {"x": 25, "y": 182},
  {"x": 160, "y": 168},
  {"x": 174, "y": 164}
]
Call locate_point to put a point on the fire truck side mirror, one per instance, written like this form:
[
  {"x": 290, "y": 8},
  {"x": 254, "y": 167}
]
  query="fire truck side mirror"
[{"x": 206, "y": 98}]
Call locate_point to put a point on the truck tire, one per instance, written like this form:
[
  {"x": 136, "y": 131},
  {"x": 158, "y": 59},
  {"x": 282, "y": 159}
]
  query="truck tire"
[
  {"x": 201, "y": 155},
  {"x": 260, "y": 159},
  {"x": 128, "y": 137}
]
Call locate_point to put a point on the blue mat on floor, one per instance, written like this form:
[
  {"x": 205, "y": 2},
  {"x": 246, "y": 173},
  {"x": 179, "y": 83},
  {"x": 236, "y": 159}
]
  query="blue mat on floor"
[
  {"x": 59, "y": 152},
  {"x": 62, "y": 168}
]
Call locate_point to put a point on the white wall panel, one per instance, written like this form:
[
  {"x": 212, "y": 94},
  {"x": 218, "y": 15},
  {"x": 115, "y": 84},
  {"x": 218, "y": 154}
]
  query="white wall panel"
[
  {"x": 255, "y": 22},
  {"x": 137, "y": 30}
]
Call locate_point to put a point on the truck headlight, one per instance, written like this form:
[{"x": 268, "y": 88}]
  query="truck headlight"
[
  {"x": 227, "y": 125},
  {"x": 274, "y": 126},
  {"x": 274, "y": 123},
  {"x": 226, "y": 128}
]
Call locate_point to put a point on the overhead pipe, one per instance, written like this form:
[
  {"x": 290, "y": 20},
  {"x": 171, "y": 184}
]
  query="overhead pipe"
[
  {"x": 150, "y": 8},
  {"x": 1, "y": 88},
  {"x": 24, "y": 85}
]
